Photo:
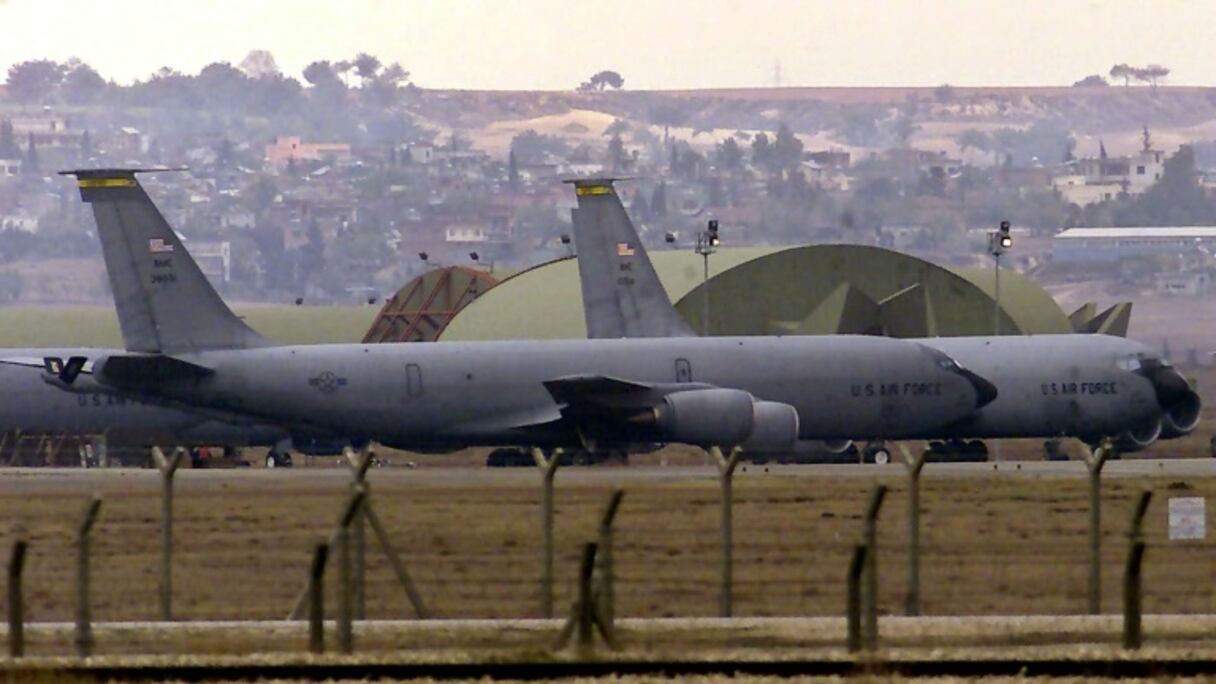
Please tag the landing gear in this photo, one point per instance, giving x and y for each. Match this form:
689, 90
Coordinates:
876, 452
957, 451
278, 459
1053, 450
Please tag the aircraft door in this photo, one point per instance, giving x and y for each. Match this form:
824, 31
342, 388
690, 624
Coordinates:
413, 381
683, 370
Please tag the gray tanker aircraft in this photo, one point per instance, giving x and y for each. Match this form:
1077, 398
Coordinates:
34, 379
186, 349
1048, 386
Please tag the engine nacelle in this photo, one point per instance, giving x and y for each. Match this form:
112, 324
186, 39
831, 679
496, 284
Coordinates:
1182, 418
706, 417
774, 428
1141, 437
727, 418
837, 446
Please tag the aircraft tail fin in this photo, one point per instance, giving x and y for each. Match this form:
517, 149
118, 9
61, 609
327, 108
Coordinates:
622, 295
165, 304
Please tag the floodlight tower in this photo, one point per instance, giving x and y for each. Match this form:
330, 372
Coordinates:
707, 243
999, 242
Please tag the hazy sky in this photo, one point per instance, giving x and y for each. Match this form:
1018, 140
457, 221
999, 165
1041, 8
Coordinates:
552, 44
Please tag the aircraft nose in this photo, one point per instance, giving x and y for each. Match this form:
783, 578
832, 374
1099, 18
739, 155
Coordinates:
985, 391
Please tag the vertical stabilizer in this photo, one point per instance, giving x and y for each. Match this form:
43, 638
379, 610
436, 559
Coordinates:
165, 304
622, 295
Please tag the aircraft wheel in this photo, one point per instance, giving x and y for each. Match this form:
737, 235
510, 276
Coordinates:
978, 448
882, 456
272, 460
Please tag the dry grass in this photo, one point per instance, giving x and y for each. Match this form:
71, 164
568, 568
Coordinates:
992, 545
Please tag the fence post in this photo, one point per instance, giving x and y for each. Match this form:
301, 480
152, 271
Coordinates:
871, 567
1094, 462
16, 603
359, 462
84, 622
346, 640
1133, 635
548, 468
604, 560
914, 465
853, 605
586, 610
726, 474
316, 599
167, 467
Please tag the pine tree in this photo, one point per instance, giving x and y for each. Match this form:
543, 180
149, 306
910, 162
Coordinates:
31, 156
8, 145
658, 201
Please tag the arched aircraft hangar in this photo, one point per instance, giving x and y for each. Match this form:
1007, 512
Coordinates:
423, 307
804, 290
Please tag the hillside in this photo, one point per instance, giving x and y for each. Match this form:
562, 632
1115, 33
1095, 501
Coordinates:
839, 116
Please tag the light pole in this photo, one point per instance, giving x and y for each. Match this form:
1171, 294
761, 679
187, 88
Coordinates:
999, 242
707, 243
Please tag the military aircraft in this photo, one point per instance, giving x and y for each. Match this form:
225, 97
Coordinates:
1048, 386
185, 348
34, 380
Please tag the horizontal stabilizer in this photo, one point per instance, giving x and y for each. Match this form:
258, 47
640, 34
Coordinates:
142, 372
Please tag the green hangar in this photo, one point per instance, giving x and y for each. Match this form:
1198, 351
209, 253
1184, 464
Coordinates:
804, 290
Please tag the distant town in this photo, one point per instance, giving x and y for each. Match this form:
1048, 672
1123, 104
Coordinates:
339, 185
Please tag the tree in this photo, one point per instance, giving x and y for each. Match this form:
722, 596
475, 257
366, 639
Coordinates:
34, 80
366, 66
973, 139
1146, 140
787, 150
601, 80
1122, 71
31, 157
761, 150
616, 153
658, 201
944, 93
82, 84
730, 155
512, 170
1090, 81
222, 86
8, 142
1153, 73
617, 127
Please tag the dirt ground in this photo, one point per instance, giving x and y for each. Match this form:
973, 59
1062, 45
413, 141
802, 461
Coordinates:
1003, 543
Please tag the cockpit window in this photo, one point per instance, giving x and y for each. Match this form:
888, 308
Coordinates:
1128, 364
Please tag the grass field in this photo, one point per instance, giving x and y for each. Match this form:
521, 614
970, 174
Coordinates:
999, 544
97, 326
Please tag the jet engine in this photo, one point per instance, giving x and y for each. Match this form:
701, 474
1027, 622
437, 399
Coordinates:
1182, 418
726, 417
774, 428
1140, 438
837, 446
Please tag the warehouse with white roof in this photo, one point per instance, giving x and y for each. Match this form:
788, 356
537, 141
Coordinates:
1111, 245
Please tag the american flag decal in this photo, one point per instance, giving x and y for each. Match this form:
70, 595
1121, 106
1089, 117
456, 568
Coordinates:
159, 246
623, 249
